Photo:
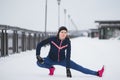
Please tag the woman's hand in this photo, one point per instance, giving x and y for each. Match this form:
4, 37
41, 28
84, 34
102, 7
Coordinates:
40, 60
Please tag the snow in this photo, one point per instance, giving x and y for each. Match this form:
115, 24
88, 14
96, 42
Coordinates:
90, 53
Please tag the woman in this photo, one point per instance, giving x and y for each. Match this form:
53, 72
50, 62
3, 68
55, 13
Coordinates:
59, 54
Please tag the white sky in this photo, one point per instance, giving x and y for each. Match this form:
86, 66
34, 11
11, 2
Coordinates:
30, 13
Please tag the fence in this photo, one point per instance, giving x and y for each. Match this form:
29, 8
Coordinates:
15, 39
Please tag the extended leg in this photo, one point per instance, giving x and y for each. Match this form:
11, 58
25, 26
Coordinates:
82, 69
77, 67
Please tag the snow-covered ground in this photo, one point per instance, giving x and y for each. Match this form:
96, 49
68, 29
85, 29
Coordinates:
90, 53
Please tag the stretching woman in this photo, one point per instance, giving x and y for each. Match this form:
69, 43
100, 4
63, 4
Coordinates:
59, 54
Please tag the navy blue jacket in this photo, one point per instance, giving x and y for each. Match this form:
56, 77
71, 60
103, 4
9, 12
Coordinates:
59, 50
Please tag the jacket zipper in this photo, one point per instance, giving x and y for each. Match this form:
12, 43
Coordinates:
59, 51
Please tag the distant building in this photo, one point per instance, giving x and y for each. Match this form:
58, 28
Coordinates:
108, 29
93, 33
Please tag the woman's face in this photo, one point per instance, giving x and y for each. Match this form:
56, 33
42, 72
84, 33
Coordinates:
62, 34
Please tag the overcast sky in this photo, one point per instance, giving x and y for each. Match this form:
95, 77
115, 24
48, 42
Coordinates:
30, 14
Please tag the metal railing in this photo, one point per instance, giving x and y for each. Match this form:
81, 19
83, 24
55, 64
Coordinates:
15, 39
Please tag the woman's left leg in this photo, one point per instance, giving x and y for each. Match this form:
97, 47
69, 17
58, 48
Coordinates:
77, 67
84, 70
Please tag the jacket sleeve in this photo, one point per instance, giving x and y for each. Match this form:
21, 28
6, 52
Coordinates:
68, 54
41, 44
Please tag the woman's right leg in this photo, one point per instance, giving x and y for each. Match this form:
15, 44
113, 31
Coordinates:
47, 64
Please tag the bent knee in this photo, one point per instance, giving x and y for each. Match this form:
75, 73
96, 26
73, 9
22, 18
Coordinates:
40, 65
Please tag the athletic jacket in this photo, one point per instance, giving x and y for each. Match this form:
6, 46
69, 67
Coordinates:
59, 49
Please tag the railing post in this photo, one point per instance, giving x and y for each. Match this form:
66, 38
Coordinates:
29, 41
38, 38
34, 41
5, 43
2, 43
15, 41
23, 41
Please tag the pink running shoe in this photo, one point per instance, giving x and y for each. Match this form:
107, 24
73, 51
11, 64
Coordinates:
52, 69
100, 72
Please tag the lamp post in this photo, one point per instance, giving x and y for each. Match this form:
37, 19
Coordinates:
58, 13
69, 21
74, 25
65, 16
45, 17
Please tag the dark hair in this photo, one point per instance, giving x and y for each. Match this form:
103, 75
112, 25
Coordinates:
61, 28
